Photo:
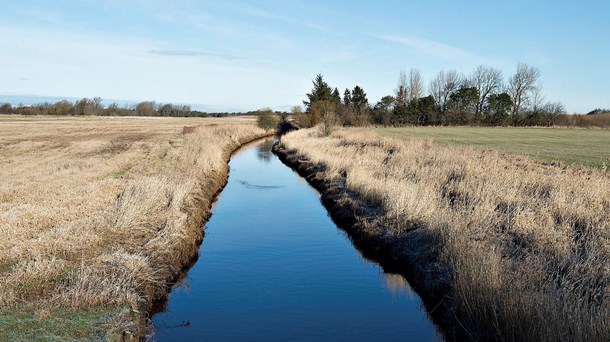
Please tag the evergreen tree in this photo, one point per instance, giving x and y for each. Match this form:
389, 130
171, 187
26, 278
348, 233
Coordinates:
383, 111
497, 109
462, 106
347, 97
336, 96
359, 101
320, 92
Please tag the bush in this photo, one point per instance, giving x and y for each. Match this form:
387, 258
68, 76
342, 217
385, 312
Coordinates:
267, 119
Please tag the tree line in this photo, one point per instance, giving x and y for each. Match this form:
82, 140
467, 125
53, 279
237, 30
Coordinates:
94, 106
482, 98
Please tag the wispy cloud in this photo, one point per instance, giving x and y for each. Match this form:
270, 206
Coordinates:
436, 49
270, 15
193, 53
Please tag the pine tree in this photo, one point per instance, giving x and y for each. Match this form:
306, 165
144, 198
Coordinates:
320, 92
347, 97
336, 96
359, 100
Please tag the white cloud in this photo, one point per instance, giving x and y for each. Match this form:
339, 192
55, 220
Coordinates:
285, 18
438, 50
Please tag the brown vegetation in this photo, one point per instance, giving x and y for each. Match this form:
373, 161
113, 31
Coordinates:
106, 212
601, 120
508, 248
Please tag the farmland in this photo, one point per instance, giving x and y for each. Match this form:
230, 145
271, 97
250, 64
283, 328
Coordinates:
583, 147
98, 215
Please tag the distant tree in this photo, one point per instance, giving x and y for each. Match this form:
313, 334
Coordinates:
435, 88
83, 107
425, 111
533, 113
520, 87
146, 108
6, 108
488, 81
267, 119
359, 101
336, 97
400, 93
305, 120
443, 86
63, 107
326, 110
537, 98
462, 105
96, 106
386, 103
497, 109
598, 111
166, 109
415, 86
113, 109
552, 110
185, 109
320, 92
382, 111
295, 110
347, 97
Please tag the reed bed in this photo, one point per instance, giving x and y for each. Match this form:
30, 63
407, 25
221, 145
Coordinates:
105, 212
517, 249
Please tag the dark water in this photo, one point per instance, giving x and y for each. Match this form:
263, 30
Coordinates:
274, 267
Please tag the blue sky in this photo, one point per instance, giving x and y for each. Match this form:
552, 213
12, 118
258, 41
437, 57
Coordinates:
241, 55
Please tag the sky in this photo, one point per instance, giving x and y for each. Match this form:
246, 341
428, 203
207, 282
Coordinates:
246, 55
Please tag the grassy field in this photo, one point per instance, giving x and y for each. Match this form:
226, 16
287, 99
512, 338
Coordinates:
97, 215
586, 147
519, 248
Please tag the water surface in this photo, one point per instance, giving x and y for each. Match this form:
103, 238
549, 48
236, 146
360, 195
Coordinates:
274, 267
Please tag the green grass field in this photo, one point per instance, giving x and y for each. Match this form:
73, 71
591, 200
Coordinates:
583, 147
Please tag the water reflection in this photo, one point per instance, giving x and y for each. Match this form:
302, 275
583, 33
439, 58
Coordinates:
249, 185
264, 150
398, 285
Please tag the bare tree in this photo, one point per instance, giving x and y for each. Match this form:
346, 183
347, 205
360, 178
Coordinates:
537, 98
552, 110
521, 85
415, 87
96, 105
443, 85
400, 91
435, 88
488, 81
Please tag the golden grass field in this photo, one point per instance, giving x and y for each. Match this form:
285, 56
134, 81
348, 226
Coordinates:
99, 214
523, 246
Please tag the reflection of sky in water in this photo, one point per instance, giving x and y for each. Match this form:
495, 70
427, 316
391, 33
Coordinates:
274, 267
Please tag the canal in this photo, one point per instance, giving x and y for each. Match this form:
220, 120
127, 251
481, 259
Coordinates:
274, 267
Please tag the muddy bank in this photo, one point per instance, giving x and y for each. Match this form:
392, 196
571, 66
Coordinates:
413, 255
199, 211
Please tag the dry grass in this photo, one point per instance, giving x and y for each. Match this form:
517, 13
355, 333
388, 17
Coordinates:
105, 211
594, 120
520, 249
